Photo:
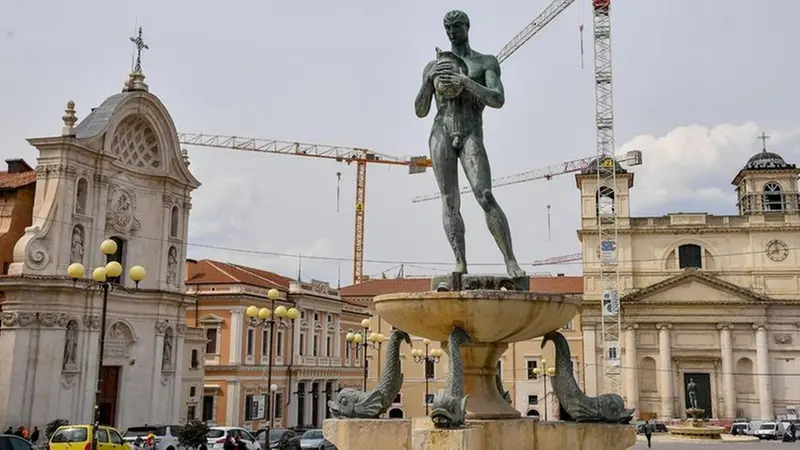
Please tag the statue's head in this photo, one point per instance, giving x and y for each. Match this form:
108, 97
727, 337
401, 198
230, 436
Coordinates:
456, 25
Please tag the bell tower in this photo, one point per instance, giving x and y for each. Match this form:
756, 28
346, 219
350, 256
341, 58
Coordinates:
767, 184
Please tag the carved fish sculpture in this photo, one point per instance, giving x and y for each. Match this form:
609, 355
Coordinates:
606, 408
355, 404
450, 408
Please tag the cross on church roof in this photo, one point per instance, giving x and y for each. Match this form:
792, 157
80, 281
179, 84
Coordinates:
763, 138
140, 45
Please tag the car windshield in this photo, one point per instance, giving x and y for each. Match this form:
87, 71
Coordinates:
215, 433
71, 434
274, 435
313, 434
144, 431
768, 426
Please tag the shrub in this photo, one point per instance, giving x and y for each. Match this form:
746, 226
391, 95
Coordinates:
193, 434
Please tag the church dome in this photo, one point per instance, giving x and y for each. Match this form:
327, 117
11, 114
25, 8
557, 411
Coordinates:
765, 160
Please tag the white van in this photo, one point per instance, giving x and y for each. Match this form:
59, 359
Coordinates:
770, 430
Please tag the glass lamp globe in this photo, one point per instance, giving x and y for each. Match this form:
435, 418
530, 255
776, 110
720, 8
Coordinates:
280, 311
365, 323
252, 311
264, 313
292, 313
273, 294
113, 269
349, 337
99, 274
108, 247
76, 271
137, 273
551, 371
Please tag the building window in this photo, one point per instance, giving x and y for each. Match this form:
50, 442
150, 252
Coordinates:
278, 411
430, 371
251, 337
118, 256
303, 314
531, 366
428, 399
254, 406
195, 360
347, 351
398, 399
279, 344
265, 343
192, 391
773, 197
316, 317
302, 347
316, 345
330, 318
569, 325
328, 346
211, 345
690, 255
190, 412
81, 194
533, 399
174, 222
605, 202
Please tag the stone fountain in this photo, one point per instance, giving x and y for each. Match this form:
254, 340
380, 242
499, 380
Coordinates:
475, 317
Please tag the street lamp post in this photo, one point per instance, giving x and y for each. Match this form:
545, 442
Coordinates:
545, 372
270, 318
100, 281
361, 340
432, 357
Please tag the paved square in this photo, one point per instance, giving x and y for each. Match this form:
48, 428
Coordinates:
663, 444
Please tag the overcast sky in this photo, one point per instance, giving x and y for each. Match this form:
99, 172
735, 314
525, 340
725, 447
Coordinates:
694, 83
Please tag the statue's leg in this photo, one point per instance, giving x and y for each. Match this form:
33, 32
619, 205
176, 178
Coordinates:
479, 175
445, 168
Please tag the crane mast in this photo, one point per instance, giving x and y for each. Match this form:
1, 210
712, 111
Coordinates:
606, 167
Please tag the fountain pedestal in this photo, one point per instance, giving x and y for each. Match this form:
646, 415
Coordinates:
694, 428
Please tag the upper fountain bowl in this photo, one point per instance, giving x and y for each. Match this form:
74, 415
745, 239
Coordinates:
489, 316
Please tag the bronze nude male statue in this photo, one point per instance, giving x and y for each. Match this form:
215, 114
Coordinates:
464, 82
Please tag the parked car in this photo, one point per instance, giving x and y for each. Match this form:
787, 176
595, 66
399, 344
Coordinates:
79, 437
769, 430
12, 442
741, 428
216, 437
166, 435
278, 439
314, 440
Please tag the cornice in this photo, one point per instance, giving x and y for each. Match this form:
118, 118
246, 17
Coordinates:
694, 230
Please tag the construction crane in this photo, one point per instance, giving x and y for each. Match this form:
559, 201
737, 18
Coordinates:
631, 158
348, 155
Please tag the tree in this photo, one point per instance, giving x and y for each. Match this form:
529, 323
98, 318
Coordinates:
53, 425
193, 434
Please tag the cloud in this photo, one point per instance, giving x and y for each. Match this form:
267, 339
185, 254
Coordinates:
691, 167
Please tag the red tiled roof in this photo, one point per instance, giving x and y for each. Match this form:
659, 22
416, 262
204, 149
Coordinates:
207, 271
16, 180
371, 288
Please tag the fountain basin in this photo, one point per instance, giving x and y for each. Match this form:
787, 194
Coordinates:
692, 431
493, 319
488, 316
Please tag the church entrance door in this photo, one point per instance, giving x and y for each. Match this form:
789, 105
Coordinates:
702, 391
109, 392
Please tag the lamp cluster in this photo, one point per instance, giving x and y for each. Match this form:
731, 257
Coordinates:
365, 337
113, 269
268, 315
423, 355
548, 370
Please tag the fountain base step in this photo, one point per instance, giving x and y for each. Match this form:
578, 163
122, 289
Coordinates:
524, 433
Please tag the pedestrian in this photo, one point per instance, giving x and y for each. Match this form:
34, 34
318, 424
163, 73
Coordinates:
240, 444
9, 431
35, 435
19, 431
793, 431
229, 444
25, 433
648, 432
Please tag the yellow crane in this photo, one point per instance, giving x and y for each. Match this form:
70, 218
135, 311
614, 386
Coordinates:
348, 155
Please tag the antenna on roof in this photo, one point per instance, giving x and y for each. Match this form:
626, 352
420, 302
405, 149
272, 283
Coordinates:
300, 268
339, 275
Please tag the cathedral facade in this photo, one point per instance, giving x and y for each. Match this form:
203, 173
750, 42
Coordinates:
709, 304
119, 174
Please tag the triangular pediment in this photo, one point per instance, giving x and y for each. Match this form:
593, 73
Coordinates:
211, 319
695, 286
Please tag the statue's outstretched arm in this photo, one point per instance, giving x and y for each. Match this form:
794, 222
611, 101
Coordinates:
422, 105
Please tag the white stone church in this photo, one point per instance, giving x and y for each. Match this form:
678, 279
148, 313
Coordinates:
713, 300
118, 174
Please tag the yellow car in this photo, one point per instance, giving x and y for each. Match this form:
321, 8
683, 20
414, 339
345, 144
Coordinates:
79, 437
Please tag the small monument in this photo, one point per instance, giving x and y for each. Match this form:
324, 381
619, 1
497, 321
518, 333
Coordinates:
695, 427
476, 317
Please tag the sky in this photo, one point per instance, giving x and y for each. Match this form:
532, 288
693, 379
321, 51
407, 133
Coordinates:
694, 84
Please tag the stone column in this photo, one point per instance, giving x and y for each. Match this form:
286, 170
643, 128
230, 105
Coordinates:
590, 356
763, 373
728, 386
665, 369
235, 356
631, 366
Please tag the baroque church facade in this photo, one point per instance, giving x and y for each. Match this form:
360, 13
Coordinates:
705, 299
119, 174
